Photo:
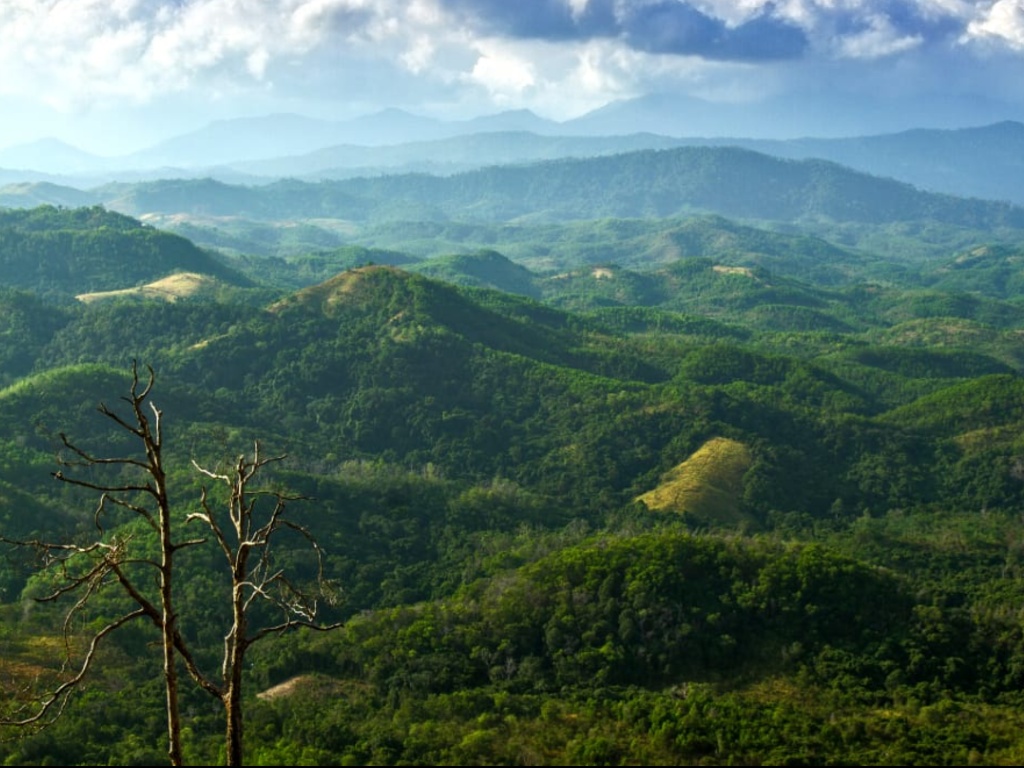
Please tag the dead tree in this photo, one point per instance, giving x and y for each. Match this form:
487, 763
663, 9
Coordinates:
111, 559
244, 529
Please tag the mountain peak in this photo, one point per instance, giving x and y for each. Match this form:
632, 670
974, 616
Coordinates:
358, 287
49, 155
391, 112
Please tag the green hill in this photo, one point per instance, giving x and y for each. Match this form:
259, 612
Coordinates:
707, 486
26, 325
728, 496
61, 253
483, 269
728, 181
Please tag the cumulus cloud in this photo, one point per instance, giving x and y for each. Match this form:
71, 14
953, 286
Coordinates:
80, 49
877, 38
1003, 22
730, 30
652, 26
679, 28
540, 19
503, 73
557, 56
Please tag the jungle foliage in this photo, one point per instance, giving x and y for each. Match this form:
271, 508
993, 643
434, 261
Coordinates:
832, 573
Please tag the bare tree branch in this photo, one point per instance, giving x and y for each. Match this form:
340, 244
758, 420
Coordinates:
254, 527
243, 529
59, 696
144, 423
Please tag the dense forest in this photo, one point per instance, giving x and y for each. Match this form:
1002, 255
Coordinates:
663, 484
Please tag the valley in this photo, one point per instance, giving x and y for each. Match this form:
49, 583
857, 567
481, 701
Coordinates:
675, 455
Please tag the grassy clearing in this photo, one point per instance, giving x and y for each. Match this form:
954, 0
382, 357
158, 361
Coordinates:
170, 288
707, 486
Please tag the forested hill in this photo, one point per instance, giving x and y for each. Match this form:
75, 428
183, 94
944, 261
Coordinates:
283, 199
657, 183
744, 506
63, 253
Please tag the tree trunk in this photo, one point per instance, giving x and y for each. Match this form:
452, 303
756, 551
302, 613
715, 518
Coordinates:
168, 629
233, 731
234, 664
171, 679
153, 442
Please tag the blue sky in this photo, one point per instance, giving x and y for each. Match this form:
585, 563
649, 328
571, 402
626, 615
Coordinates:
116, 75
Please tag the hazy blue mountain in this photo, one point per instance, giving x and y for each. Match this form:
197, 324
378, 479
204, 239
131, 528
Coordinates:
972, 161
50, 156
281, 137
667, 115
248, 138
99, 178
393, 126
729, 181
511, 120
828, 115
449, 155
31, 194
277, 136
483, 269
986, 161
12, 176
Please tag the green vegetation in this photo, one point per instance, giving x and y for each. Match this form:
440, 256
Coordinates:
654, 491
55, 253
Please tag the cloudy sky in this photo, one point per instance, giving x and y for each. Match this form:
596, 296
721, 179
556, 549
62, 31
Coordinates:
116, 75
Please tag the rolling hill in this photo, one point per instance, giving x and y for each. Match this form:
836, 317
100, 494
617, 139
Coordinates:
69, 252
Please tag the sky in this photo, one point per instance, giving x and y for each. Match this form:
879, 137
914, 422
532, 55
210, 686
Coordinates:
113, 76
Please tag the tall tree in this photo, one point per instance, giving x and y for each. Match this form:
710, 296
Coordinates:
111, 559
244, 530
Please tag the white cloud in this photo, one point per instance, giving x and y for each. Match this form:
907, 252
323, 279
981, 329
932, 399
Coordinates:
603, 70
878, 39
737, 11
502, 73
577, 7
1004, 22
592, 75
419, 57
77, 50
328, 55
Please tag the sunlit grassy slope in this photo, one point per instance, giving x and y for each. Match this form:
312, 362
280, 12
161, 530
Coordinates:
707, 486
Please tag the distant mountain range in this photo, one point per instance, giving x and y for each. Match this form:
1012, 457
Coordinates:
984, 161
225, 142
729, 181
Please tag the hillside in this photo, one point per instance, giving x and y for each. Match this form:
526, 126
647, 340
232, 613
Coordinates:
181, 285
705, 492
707, 486
484, 269
982, 162
725, 180
979, 162
446, 156
543, 214
58, 252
